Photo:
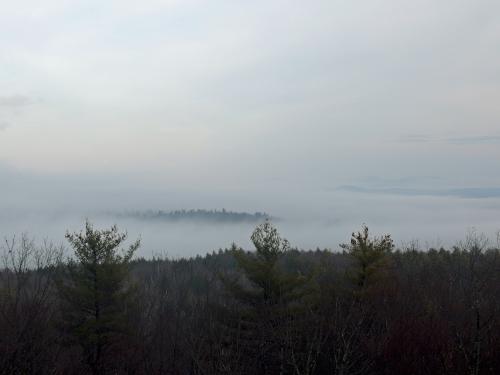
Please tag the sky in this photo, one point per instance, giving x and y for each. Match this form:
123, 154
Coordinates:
300, 108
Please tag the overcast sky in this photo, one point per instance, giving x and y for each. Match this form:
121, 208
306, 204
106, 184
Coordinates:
242, 96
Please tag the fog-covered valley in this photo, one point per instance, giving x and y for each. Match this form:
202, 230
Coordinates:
309, 219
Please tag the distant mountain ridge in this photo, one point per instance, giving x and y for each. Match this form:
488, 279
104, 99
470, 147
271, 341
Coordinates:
198, 215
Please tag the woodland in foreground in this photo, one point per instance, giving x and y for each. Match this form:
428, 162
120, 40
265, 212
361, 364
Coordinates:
367, 309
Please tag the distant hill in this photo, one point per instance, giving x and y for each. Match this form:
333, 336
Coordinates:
213, 216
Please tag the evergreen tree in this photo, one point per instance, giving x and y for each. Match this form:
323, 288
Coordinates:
267, 296
95, 293
369, 255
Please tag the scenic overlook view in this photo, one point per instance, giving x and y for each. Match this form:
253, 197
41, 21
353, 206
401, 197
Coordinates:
250, 187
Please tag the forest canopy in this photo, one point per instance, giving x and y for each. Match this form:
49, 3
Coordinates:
370, 308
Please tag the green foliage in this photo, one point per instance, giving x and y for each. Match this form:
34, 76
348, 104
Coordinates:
268, 297
269, 283
95, 293
369, 255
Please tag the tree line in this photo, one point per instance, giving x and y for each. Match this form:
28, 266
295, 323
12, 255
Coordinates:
199, 215
367, 309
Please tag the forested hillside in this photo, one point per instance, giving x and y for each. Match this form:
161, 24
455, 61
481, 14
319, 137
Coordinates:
366, 308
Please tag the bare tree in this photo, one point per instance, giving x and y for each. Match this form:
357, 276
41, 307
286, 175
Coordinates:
27, 300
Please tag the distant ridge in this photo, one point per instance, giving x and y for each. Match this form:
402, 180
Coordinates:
472, 192
199, 215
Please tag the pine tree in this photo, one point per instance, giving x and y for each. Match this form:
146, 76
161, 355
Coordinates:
95, 293
268, 296
370, 255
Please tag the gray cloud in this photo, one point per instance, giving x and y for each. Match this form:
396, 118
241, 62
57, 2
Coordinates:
456, 140
4, 125
15, 101
474, 139
415, 138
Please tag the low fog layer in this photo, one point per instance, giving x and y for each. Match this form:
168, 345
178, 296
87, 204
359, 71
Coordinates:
309, 218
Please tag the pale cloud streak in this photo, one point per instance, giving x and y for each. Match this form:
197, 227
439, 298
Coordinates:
14, 101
